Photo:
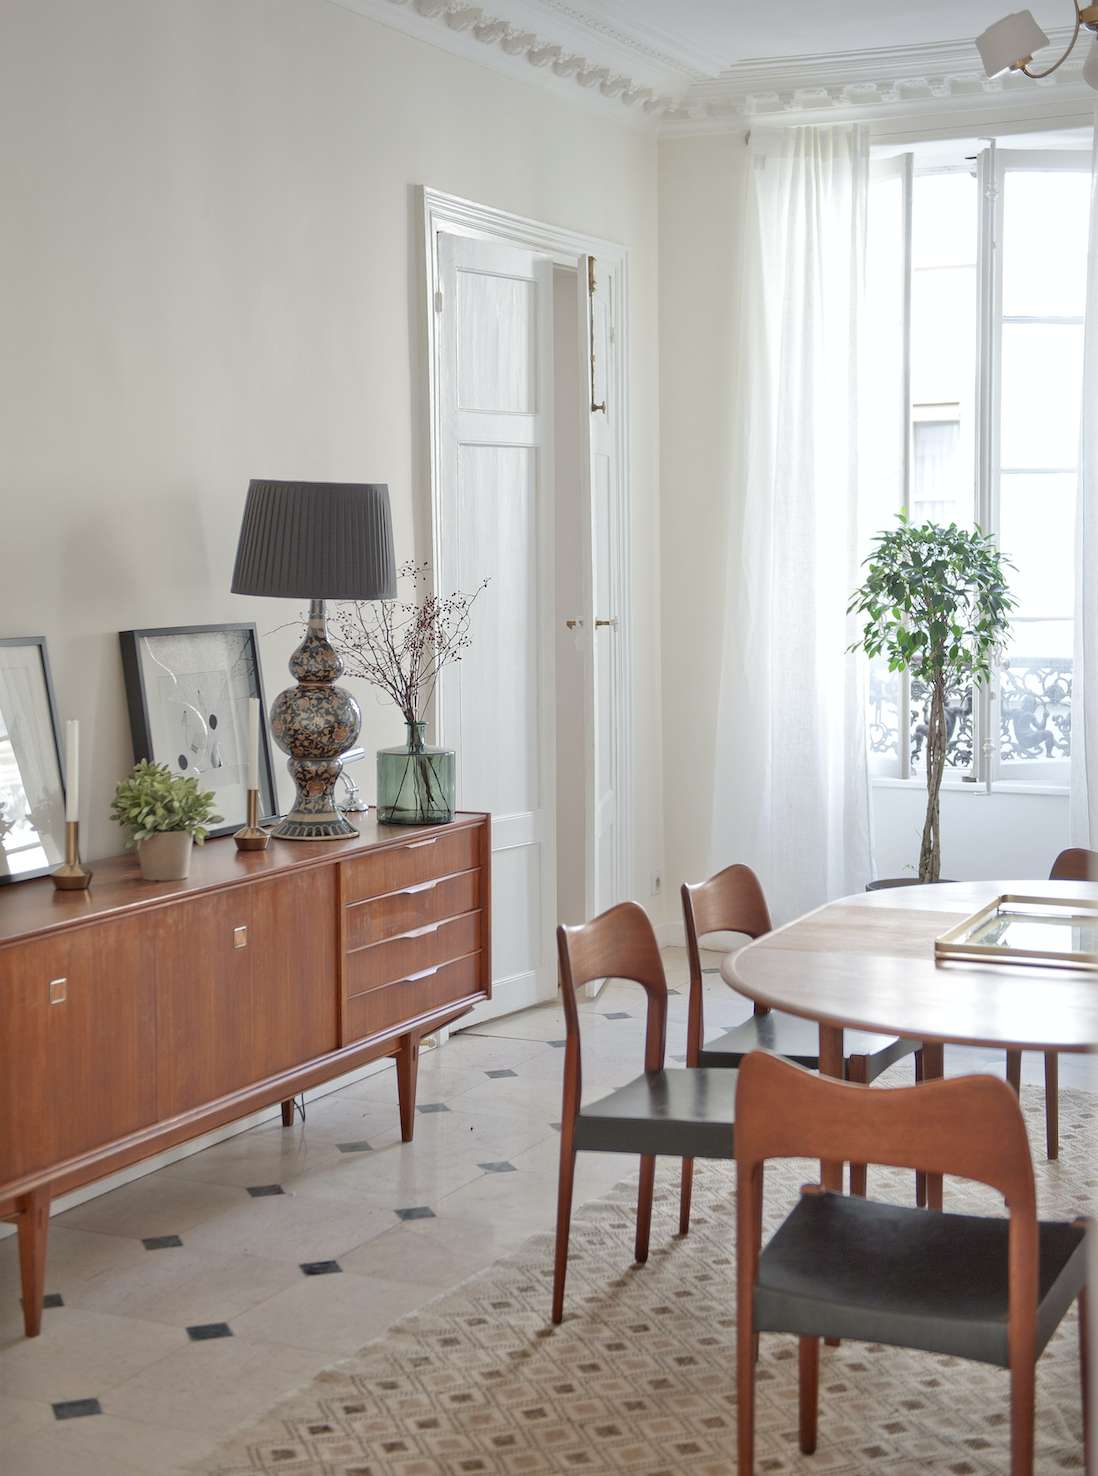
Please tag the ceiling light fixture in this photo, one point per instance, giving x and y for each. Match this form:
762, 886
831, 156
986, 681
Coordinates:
1009, 44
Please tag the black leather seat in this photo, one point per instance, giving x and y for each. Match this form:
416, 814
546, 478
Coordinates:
663, 1112
880, 1273
798, 1040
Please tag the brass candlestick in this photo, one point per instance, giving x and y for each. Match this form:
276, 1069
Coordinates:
252, 836
73, 876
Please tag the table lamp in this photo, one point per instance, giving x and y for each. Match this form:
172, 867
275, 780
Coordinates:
316, 541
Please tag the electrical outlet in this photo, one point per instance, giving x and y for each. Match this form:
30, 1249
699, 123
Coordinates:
657, 884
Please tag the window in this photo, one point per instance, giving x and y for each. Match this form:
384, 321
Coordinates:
974, 367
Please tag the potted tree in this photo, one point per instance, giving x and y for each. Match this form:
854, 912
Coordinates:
164, 815
936, 604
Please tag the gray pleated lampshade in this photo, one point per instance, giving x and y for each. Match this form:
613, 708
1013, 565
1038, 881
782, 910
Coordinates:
316, 541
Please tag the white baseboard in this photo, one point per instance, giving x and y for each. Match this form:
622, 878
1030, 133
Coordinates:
195, 1145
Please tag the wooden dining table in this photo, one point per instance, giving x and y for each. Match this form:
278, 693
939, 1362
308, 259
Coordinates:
867, 962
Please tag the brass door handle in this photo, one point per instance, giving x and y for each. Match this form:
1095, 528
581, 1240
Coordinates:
612, 622
573, 624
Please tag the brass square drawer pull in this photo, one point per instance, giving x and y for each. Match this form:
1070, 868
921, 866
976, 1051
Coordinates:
240, 937
59, 989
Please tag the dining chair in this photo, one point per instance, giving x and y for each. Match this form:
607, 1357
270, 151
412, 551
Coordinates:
676, 1111
1074, 864
991, 1289
733, 902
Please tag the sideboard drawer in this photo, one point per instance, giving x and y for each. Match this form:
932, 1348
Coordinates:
407, 865
414, 907
398, 958
430, 989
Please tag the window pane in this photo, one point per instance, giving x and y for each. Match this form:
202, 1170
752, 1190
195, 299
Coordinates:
959, 740
1045, 228
941, 492
1035, 708
1037, 522
1042, 395
944, 220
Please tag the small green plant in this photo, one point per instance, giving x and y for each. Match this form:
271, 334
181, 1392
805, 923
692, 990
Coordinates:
936, 604
153, 799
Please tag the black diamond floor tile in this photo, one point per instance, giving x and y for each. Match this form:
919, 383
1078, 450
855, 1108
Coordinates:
505, 1071
161, 1242
53, 1299
205, 1332
416, 1212
360, 1147
265, 1191
557, 1044
618, 1015
432, 1107
321, 1268
498, 1168
76, 1409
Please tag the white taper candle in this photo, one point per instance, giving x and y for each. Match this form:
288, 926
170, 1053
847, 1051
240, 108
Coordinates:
253, 742
72, 770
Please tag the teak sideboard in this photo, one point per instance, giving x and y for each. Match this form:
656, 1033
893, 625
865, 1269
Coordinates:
138, 1014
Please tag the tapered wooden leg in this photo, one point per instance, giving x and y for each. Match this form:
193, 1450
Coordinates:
685, 1193
564, 1220
1014, 1070
1022, 1380
1052, 1104
809, 1392
933, 1070
920, 1177
288, 1112
407, 1064
644, 1206
33, 1225
857, 1069
1090, 1457
832, 1063
746, 1339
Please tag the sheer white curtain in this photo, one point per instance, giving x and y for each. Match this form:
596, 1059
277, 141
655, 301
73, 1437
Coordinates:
791, 793
1084, 697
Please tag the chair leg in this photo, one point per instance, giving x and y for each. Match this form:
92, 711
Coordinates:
808, 1394
564, 1223
933, 1070
644, 1206
1052, 1104
1014, 1070
747, 1342
1022, 1398
685, 1194
920, 1177
1084, 1376
857, 1069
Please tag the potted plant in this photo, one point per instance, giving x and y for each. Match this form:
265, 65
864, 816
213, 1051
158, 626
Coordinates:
936, 604
164, 815
401, 647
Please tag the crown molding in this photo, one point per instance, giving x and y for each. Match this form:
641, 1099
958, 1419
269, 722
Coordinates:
641, 76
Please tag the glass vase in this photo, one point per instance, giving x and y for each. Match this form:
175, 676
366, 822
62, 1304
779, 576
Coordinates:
415, 783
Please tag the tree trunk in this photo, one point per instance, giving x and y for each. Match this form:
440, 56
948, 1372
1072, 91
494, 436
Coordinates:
930, 852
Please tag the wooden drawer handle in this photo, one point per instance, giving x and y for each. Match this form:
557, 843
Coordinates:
418, 845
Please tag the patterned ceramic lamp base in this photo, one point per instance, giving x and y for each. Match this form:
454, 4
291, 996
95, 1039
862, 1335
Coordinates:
314, 723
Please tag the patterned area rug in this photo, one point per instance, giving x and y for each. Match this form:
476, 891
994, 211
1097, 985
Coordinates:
640, 1378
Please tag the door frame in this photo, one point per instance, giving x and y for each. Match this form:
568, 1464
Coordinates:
450, 214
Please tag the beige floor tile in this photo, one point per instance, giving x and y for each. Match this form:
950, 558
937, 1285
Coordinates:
72, 1255
155, 1205
289, 1227
83, 1355
336, 1315
406, 1253
212, 1387
43, 1455
137, 1445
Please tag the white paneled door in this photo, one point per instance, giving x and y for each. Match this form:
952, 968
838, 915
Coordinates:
493, 520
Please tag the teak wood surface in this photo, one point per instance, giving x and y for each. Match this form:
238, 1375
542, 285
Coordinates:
137, 1014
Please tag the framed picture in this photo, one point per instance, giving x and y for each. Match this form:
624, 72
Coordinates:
188, 689
32, 778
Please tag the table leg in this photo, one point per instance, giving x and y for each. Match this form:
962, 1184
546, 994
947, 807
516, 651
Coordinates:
933, 1070
832, 1063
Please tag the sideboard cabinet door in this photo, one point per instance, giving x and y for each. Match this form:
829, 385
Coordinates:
295, 983
77, 1048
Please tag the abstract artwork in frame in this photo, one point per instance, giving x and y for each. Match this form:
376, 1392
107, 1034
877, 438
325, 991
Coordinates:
188, 689
32, 780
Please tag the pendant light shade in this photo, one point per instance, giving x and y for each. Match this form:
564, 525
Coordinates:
1010, 43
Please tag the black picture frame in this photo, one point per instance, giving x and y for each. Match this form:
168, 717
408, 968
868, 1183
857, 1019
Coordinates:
49, 744
147, 711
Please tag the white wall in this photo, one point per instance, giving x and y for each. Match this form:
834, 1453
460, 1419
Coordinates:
211, 271
1010, 835
701, 193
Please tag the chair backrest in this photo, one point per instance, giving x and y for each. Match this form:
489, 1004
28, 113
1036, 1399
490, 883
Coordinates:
618, 944
730, 902
969, 1126
1075, 864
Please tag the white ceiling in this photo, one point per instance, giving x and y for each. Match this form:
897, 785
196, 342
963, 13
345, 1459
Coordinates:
710, 35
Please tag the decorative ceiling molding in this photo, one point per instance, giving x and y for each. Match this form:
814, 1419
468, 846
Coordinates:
646, 78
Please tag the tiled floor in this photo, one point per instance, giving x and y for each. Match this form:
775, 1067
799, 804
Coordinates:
194, 1299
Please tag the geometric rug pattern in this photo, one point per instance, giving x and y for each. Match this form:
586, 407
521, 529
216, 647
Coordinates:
640, 1378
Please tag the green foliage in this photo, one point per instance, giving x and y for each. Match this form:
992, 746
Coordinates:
153, 799
935, 602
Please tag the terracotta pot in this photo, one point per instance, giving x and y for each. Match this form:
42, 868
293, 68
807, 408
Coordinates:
167, 856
